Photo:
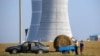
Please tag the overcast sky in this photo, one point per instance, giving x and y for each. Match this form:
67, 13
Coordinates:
84, 18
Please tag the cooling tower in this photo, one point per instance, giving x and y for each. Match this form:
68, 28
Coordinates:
49, 19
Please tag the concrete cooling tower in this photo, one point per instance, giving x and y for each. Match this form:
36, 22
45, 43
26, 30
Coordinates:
49, 19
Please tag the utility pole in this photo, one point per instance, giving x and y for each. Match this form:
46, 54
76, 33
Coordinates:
20, 21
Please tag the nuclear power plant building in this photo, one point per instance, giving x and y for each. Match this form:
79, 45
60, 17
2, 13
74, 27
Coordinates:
49, 19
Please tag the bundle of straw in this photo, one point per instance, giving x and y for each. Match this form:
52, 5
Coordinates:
62, 40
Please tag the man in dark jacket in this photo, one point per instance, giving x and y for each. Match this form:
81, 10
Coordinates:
81, 46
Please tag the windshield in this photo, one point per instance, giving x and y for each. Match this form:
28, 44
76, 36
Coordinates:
39, 44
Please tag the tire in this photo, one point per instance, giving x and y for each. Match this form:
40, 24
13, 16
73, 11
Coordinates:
40, 51
14, 51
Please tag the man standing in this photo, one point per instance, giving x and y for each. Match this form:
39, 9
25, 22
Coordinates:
29, 46
81, 46
76, 47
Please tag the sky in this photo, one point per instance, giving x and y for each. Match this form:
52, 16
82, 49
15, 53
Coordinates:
84, 18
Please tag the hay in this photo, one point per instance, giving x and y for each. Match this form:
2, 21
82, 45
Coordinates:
62, 40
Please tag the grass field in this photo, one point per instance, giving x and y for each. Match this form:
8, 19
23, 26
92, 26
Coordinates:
92, 48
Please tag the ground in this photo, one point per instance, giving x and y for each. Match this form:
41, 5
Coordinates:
92, 48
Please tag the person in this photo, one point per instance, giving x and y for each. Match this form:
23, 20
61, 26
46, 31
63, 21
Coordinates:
29, 46
81, 46
76, 47
73, 41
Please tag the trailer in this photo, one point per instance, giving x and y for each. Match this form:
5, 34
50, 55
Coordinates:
66, 48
